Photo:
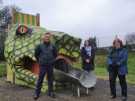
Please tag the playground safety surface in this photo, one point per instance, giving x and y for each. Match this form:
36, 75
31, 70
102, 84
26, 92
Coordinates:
10, 92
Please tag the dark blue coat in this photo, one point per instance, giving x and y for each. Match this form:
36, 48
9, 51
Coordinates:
45, 53
118, 57
84, 55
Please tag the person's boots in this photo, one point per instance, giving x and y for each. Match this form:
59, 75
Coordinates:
36, 97
124, 98
51, 94
113, 96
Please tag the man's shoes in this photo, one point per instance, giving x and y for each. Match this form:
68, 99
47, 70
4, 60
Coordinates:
124, 98
113, 96
51, 94
36, 97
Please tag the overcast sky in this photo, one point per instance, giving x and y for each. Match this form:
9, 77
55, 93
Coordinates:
84, 18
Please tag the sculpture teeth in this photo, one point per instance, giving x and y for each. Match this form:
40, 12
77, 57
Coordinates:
33, 58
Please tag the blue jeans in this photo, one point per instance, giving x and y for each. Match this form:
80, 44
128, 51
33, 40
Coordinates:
48, 68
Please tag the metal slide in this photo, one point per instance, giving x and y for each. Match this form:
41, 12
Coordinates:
77, 77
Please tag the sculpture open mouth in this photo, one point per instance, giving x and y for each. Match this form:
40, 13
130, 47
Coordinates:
26, 62
27, 68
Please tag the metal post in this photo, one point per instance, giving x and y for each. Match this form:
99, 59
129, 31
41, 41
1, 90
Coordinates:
38, 19
13, 77
78, 91
87, 91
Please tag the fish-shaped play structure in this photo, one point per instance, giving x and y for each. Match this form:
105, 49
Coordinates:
22, 67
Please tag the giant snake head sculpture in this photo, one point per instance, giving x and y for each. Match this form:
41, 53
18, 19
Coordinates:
19, 51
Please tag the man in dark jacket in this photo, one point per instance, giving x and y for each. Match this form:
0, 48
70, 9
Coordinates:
45, 54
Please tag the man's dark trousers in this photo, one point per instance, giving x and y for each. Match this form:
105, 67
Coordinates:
48, 68
122, 79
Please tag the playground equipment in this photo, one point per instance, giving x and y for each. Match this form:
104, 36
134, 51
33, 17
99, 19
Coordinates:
22, 67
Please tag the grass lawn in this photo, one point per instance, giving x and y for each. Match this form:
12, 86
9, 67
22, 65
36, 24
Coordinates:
102, 72
100, 67
2, 69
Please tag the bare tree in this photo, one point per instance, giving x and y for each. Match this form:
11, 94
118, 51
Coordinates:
93, 41
130, 40
5, 20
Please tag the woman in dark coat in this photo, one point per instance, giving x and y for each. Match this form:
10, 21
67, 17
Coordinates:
117, 66
88, 54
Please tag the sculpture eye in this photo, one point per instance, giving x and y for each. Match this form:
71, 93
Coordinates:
23, 30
